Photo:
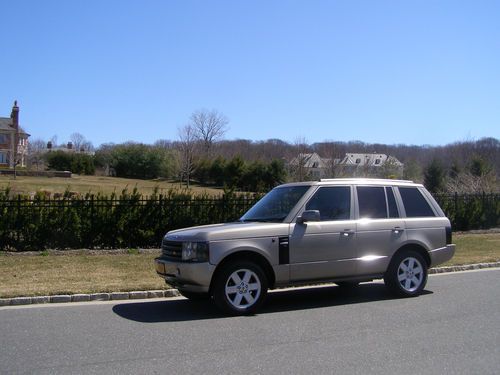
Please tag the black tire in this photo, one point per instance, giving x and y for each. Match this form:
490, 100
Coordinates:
407, 274
241, 298
193, 296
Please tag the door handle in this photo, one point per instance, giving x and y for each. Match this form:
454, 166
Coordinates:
397, 230
347, 232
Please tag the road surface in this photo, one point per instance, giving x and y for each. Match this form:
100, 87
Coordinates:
453, 328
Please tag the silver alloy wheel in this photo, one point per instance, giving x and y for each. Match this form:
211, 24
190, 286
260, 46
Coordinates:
410, 274
242, 288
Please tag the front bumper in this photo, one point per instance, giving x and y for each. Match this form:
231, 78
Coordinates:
442, 255
191, 277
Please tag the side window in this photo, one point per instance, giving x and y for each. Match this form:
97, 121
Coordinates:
372, 203
393, 208
333, 203
415, 203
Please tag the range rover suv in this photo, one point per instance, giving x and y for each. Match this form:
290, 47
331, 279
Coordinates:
344, 231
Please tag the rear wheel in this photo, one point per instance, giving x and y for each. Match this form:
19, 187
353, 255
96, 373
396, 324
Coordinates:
240, 287
407, 274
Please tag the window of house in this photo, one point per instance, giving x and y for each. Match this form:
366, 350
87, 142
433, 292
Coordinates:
372, 202
358, 161
377, 161
3, 158
3, 138
333, 203
414, 202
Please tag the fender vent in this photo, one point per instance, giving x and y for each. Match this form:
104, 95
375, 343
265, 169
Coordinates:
284, 250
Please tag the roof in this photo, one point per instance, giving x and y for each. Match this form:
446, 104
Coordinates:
6, 123
310, 161
375, 160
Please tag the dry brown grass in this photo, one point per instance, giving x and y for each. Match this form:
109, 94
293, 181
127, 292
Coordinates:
36, 275
476, 248
82, 272
94, 184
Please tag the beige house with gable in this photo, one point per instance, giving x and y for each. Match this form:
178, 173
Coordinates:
352, 165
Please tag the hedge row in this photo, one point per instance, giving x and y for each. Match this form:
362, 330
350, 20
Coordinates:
471, 211
125, 221
129, 220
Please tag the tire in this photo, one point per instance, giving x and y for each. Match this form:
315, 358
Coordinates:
193, 296
240, 288
407, 274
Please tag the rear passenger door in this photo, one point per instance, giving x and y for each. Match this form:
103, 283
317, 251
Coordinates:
380, 230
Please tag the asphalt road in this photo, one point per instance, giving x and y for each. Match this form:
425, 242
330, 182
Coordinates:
454, 328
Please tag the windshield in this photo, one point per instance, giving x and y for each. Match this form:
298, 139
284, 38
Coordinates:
275, 205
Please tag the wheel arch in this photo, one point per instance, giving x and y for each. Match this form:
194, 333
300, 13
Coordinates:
417, 248
247, 255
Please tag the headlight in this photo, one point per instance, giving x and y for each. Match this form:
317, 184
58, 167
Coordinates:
195, 251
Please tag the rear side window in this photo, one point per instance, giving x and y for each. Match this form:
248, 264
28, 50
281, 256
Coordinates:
372, 203
333, 203
415, 203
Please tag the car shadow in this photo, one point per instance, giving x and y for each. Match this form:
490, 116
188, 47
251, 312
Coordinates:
178, 310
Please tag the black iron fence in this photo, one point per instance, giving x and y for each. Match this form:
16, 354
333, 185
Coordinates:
132, 221
93, 222
471, 211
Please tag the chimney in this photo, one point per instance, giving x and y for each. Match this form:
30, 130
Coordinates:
14, 115
70, 146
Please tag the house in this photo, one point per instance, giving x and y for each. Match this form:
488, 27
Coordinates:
68, 148
13, 141
352, 165
369, 163
310, 165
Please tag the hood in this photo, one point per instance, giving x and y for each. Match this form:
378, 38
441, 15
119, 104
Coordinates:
228, 231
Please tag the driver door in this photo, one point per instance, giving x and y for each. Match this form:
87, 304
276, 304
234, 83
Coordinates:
325, 249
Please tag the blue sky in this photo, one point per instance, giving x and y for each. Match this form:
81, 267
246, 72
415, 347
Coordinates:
414, 72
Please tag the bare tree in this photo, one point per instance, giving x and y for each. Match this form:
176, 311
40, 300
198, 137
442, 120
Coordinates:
79, 142
187, 150
298, 170
208, 126
53, 140
36, 150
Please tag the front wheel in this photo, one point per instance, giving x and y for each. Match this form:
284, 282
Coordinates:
240, 288
407, 274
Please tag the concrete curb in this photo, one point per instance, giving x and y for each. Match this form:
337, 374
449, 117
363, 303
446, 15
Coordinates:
169, 293
466, 267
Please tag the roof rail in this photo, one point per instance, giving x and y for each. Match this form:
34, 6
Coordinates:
365, 179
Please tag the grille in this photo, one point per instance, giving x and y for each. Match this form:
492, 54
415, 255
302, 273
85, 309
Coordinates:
171, 249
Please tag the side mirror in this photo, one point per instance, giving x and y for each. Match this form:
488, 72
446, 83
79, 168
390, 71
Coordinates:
309, 215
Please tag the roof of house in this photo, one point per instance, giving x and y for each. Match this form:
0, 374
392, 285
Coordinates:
310, 161
375, 160
5, 123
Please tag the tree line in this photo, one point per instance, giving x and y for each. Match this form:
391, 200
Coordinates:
201, 153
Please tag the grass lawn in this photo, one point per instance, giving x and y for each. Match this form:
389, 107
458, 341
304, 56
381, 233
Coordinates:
38, 275
31, 275
93, 184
